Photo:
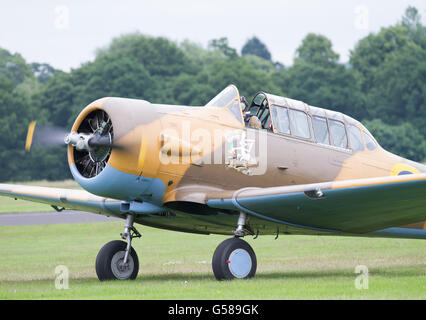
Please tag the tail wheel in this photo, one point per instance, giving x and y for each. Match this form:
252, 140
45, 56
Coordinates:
109, 262
234, 258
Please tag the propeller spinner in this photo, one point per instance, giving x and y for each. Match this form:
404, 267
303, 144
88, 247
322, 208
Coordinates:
93, 141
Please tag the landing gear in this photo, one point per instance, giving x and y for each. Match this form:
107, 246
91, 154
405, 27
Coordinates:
235, 258
117, 259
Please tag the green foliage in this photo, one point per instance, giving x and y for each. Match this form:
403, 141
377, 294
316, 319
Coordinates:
261, 64
391, 67
111, 75
404, 139
56, 98
222, 46
13, 67
400, 88
256, 47
319, 80
371, 53
385, 81
316, 49
16, 112
411, 19
199, 57
43, 71
159, 56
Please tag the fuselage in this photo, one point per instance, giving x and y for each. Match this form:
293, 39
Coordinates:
177, 155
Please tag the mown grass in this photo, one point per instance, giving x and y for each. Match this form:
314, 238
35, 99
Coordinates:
178, 266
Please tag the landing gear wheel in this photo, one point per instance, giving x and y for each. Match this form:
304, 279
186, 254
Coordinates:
109, 262
234, 258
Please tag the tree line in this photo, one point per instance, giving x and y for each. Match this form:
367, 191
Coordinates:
383, 86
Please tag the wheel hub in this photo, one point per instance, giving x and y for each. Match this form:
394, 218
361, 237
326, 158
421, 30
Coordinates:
119, 269
239, 263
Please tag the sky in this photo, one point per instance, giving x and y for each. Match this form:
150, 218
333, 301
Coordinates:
66, 33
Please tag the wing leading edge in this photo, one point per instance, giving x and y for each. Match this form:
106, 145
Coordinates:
370, 207
66, 198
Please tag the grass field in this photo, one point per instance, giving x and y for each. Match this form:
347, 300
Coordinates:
177, 266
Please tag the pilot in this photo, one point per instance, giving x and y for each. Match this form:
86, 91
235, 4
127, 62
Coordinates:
254, 122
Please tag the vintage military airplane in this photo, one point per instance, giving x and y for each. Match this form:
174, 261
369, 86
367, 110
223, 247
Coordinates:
278, 166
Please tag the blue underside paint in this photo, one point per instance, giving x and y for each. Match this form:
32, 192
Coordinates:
399, 233
112, 183
140, 207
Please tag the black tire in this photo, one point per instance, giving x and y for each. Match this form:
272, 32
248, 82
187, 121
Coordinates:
108, 258
234, 258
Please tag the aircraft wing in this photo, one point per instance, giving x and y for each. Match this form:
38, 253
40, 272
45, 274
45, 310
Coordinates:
63, 198
374, 206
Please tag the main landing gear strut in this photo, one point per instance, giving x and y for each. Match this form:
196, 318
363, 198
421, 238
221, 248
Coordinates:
117, 259
235, 258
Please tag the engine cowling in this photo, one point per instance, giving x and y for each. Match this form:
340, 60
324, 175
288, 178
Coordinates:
105, 153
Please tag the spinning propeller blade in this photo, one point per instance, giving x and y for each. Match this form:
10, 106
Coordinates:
48, 136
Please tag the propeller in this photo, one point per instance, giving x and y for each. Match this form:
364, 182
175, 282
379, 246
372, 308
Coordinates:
93, 142
47, 136
54, 136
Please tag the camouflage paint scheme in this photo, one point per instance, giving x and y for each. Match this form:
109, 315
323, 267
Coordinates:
306, 187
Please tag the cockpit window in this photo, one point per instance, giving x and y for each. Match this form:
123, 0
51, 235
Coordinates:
253, 110
321, 130
260, 109
369, 142
299, 121
236, 110
258, 102
224, 97
338, 134
230, 98
355, 138
281, 119
259, 99
263, 114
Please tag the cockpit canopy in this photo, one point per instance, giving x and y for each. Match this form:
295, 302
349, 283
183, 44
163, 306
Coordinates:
298, 120
228, 98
